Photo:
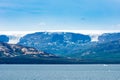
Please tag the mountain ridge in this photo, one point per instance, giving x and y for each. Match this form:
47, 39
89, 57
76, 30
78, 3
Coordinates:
68, 47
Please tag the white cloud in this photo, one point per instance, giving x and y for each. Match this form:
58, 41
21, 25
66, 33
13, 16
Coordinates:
118, 25
42, 24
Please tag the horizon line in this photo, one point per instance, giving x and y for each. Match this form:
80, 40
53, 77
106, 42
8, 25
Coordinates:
74, 31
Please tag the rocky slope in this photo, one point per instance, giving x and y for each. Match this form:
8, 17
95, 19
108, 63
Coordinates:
75, 48
107, 37
13, 50
17, 54
58, 43
106, 49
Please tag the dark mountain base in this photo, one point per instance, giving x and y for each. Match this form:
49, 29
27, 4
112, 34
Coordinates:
20, 60
37, 61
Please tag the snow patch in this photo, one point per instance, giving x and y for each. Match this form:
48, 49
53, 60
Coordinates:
13, 39
16, 35
94, 37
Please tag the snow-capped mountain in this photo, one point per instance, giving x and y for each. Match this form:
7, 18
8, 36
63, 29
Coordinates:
14, 36
55, 42
63, 43
93, 46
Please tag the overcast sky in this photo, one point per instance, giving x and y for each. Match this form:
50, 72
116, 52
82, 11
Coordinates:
27, 15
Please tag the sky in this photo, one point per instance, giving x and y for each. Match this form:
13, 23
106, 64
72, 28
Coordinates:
34, 15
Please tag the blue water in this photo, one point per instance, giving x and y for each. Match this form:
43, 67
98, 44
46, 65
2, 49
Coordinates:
60, 72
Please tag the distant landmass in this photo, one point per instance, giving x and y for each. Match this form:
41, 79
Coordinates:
17, 54
61, 48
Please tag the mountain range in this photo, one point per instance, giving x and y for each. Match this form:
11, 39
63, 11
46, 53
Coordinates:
65, 47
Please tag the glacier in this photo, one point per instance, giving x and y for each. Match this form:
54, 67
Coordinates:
14, 36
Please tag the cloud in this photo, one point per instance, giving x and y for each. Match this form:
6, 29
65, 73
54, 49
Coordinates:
117, 26
38, 26
42, 24
6, 7
21, 7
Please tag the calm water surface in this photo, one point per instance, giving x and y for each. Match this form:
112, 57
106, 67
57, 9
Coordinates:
60, 72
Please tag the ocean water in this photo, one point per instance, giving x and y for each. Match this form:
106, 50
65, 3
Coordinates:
60, 72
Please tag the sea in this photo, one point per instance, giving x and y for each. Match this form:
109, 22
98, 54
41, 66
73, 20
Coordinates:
60, 72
